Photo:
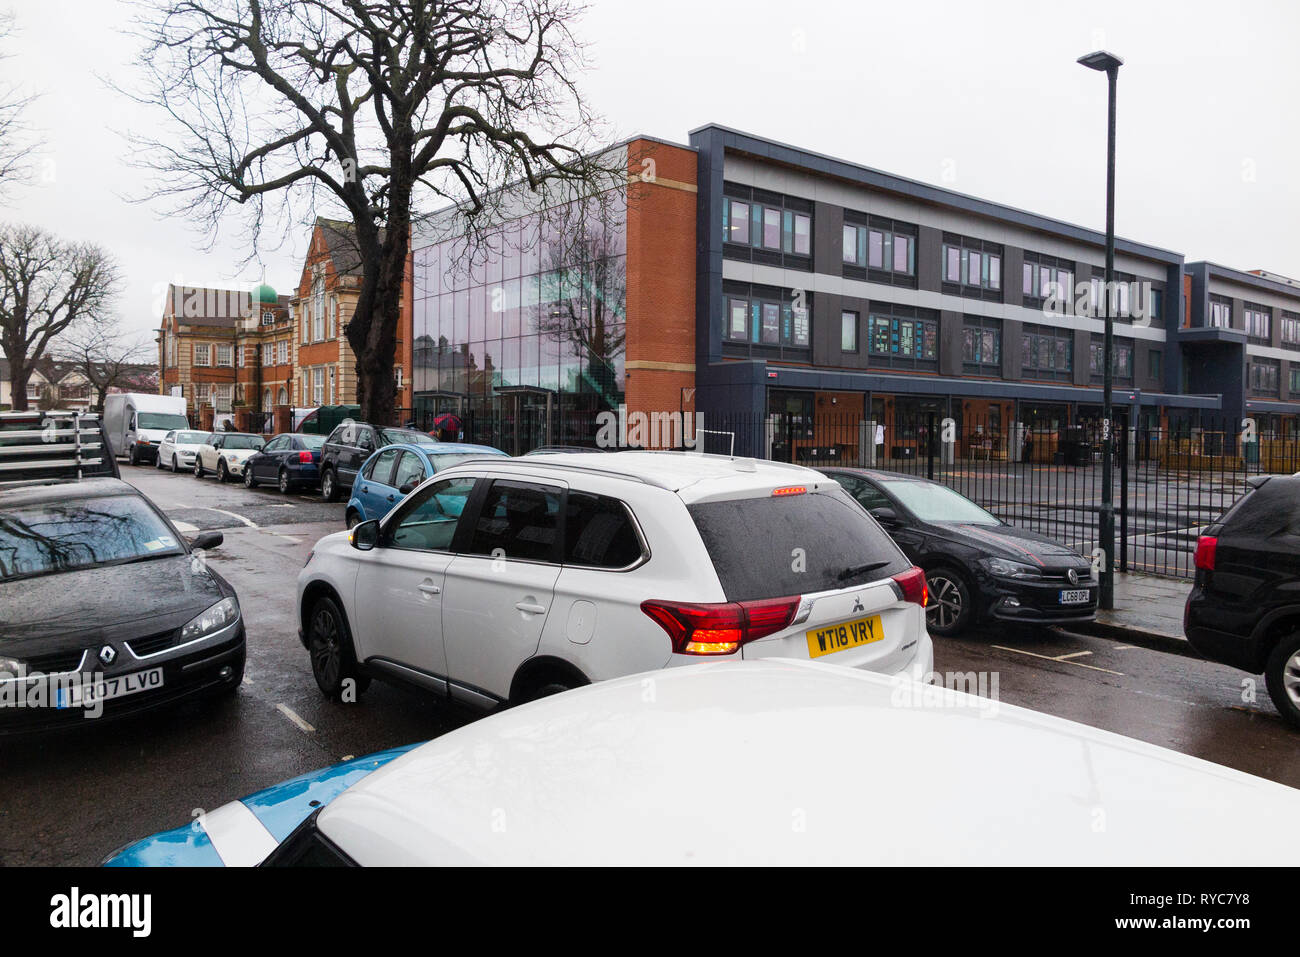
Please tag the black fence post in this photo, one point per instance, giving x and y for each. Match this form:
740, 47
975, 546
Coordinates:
929, 446
1123, 497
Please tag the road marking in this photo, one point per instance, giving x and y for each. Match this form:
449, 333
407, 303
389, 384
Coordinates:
185, 528
1073, 654
281, 505
289, 713
1077, 664
1124, 647
221, 511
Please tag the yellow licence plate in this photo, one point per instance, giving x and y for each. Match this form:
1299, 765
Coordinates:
849, 634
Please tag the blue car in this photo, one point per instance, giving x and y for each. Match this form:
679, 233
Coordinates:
231, 836
290, 460
395, 470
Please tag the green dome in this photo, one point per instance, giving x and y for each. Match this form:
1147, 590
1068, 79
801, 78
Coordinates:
264, 295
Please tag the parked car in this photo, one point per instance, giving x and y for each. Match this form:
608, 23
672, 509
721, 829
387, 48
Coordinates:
104, 604
178, 449
1244, 606
290, 460
979, 568
225, 454
348, 447
395, 470
137, 421
754, 763
583, 567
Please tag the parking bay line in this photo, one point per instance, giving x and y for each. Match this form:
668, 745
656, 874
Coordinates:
1064, 661
292, 715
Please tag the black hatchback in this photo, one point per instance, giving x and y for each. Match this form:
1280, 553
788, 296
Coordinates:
978, 567
1244, 607
106, 609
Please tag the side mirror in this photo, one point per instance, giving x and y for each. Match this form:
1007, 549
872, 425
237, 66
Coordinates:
364, 536
408, 488
206, 540
885, 515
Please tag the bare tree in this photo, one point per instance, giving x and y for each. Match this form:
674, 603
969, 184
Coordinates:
45, 286
18, 142
284, 105
105, 355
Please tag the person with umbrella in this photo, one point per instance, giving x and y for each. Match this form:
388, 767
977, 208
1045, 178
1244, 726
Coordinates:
447, 428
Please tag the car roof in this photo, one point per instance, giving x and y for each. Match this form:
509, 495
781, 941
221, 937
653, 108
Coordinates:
36, 494
730, 763
878, 475
693, 476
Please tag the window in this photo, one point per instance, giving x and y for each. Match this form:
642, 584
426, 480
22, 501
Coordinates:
202, 390
880, 250
171, 349
1259, 322
1290, 328
1047, 353
598, 532
772, 226
981, 346
1046, 276
239, 355
268, 318
268, 354
225, 355
318, 310
380, 469
519, 518
972, 267
848, 331
770, 319
427, 520
202, 354
1121, 360
855, 245
318, 386
898, 336
1220, 312
410, 471
1295, 381
282, 352
1263, 376
1155, 361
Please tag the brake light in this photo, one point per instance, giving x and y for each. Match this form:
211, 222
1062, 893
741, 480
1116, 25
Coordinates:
913, 585
720, 628
304, 457
791, 490
1207, 547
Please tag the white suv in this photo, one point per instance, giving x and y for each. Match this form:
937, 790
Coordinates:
503, 580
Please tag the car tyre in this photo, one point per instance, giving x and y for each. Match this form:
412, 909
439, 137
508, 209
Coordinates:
134, 457
952, 606
545, 691
175, 465
329, 643
198, 467
249, 481
1282, 675
353, 518
329, 487
223, 473
283, 482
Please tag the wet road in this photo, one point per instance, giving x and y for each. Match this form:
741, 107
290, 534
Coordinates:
74, 797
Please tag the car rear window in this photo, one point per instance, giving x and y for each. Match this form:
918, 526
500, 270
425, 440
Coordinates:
1270, 510
775, 546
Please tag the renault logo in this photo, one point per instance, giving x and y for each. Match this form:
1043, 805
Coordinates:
1072, 576
107, 655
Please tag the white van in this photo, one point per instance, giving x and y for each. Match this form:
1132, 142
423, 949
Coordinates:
137, 422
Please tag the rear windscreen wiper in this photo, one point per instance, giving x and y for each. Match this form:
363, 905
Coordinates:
855, 570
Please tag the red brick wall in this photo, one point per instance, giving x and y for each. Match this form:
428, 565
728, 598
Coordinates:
661, 277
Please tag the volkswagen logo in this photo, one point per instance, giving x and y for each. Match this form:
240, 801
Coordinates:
107, 655
1072, 576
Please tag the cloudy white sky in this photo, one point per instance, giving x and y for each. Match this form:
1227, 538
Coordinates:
981, 97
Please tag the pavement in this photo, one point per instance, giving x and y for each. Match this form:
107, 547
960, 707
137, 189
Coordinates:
1148, 612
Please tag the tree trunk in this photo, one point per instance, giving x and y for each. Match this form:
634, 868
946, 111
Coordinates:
19, 374
375, 345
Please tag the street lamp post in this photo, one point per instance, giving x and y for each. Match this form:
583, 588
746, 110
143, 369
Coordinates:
1109, 64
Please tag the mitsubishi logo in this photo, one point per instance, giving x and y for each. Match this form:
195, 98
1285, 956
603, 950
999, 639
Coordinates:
857, 603
107, 655
1072, 576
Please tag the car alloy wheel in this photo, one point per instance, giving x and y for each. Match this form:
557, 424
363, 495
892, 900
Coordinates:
1282, 675
223, 474
353, 519
284, 482
249, 482
327, 489
1291, 678
175, 465
198, 467
326, 645
949, 607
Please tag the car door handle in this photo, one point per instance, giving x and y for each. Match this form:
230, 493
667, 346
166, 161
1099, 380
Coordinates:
429, 588
530, 607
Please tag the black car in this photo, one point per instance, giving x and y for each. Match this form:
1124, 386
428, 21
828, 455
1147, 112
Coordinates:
1244, 607
290, 460
107, 610
348, 447
978, 567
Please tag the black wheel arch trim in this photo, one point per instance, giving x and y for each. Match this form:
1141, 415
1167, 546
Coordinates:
528, 672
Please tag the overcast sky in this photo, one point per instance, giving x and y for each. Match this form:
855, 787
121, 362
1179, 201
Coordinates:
982, 97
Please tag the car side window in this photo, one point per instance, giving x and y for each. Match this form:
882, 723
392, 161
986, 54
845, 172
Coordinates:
429, 521
381, 466
598, 532
275, 445
337, 434
867, 495
519, 518
170, 437
409, 469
